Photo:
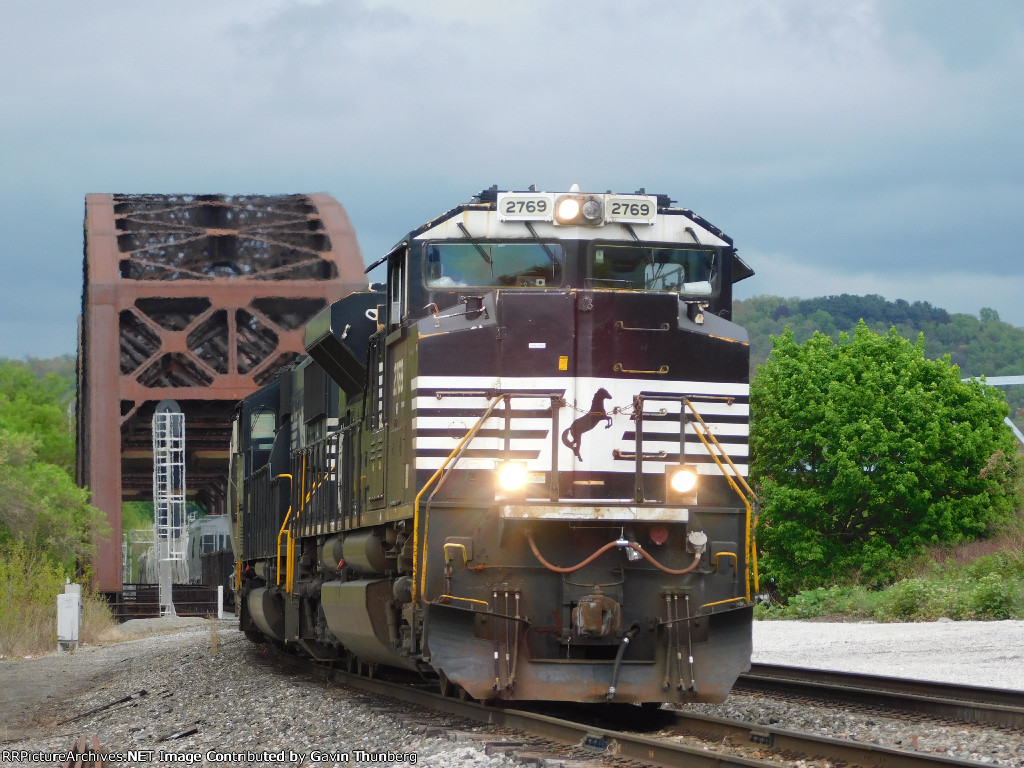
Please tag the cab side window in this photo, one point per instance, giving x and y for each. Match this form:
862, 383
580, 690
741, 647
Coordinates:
398, 290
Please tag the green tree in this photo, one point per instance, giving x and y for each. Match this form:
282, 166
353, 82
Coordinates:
865, 451
38, 406
982, 345
41, 508
40, 505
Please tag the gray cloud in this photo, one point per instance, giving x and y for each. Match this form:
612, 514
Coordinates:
844, 143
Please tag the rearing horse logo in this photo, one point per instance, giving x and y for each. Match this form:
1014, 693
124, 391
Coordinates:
571, 437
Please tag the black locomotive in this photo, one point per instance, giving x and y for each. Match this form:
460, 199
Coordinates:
519, 465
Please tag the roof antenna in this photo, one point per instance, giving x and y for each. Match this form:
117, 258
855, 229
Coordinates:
574, 188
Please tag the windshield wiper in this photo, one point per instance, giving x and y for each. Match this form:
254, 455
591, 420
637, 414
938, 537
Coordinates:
704, 249
542, 244
479, 248
647, 253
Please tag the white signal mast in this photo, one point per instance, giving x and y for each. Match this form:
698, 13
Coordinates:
1004, 381
169, 511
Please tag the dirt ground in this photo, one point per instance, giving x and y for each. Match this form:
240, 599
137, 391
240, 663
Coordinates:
32, 689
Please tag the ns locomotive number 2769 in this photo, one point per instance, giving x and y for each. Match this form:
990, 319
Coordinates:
519, 467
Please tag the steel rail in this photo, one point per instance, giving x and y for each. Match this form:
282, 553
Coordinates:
836, 751
596, 741
965, 703
661, 752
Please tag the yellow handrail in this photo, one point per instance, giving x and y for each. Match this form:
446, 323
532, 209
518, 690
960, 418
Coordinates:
281, 533
750, 545
718, 445
484, 603
289, 581
422, 574
456, 548
735, 559
304, 497
721, 602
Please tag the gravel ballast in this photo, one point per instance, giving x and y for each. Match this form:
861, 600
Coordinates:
965, 652
237, 703
234, 707
987, 653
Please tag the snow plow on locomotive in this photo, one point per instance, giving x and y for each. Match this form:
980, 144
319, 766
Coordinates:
519, 465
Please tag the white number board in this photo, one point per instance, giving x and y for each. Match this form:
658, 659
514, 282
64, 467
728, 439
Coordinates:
526, 206
636, 209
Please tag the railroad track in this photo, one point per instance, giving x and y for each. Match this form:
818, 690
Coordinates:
584, 737
970, 704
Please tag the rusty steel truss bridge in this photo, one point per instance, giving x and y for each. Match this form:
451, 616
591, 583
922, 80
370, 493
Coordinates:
199, 299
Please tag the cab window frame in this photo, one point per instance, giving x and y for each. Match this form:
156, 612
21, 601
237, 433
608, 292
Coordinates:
714, 277
552, 266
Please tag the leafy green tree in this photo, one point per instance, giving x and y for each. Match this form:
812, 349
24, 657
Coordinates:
40, 505
38, 406
865, 451
41, 508
982, 345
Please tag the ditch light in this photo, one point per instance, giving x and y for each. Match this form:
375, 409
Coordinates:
681, 484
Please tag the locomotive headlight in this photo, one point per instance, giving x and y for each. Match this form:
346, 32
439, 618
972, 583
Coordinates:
681, 484
512, 476
567, 210
585, 210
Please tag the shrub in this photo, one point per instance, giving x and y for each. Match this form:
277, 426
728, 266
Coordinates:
902, 601
29, 585
989, 588
995, 598
825, 601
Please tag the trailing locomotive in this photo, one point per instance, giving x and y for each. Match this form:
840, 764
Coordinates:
519, 465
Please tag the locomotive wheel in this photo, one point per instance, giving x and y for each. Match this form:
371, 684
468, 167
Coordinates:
446, 686
255, 636
452, 690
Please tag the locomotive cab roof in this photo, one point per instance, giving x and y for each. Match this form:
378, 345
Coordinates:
530, 214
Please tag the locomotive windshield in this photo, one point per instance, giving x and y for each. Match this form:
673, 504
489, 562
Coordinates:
498, 265
689, 271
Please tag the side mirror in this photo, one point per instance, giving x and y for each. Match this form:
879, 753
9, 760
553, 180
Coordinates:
700, 288
474, 306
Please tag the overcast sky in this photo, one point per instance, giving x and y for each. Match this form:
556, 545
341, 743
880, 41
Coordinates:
847, 147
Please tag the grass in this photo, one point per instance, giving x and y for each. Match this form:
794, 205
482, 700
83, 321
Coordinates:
982, 581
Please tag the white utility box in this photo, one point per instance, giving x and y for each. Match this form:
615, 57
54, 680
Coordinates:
69, 617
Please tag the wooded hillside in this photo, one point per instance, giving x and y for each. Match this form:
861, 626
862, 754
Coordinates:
982, 345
